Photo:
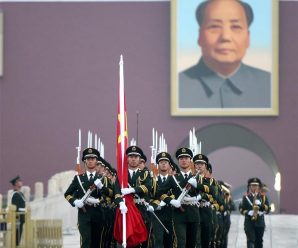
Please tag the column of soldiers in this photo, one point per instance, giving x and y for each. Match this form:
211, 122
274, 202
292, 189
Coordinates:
182, 205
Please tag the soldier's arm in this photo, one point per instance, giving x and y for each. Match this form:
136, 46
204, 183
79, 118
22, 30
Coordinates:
145, 184
70, 192
117, 192
265, 206
107, 189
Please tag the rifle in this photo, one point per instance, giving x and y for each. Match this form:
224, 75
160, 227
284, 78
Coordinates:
185, 191
88, 193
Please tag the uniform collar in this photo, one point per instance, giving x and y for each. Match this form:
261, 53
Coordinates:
212, 81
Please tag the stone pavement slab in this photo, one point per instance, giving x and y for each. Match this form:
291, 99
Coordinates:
281, 232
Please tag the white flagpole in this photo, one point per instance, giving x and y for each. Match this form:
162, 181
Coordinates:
122, 127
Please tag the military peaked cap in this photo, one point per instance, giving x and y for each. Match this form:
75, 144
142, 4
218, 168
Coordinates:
134, 150
183, 152
163, 156
14, 180
90, 153
254, 181
143, 157
201, 158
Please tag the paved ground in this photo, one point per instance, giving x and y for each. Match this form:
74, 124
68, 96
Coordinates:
281, 232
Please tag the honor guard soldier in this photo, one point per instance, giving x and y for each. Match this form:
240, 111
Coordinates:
108, 205
19, 201
140, 183
162, 210
253, 206
90, 213
229, 206
186, 214
201, 163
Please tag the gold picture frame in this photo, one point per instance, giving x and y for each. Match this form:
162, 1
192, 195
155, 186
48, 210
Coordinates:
185, 52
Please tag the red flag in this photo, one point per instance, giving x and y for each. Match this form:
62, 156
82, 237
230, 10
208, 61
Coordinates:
136, 231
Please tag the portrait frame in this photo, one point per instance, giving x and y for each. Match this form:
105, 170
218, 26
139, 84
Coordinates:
183, 55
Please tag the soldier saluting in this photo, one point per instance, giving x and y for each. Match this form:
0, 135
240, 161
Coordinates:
253, 206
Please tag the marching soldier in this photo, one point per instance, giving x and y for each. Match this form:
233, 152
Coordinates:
253, 206
90, 214
108, 205
229, 206
18, 199
201, 162
140, 184
163, 211
186, 214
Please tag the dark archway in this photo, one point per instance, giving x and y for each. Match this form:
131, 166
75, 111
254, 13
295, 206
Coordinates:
218, 136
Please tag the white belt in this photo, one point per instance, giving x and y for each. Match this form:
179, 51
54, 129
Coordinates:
192, 203
205, 204
139, 200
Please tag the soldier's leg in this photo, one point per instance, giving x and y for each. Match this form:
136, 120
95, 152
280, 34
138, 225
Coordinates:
158, 233
168, 239
84, 227
98, 223
191, 234
180, 233
250, 234
259, 237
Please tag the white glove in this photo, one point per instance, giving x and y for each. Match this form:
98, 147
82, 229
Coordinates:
91, 200
150, 209
199, 197
126, 191
78, 203
258, 202
161, 204
175, 203
189, 198
250, 213
98, 183
193, 182
123, 208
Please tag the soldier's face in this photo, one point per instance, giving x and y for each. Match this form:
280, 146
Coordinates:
164, 165
133, 161
91, 163
201, 167
224, 34
100, 169
142, 165
254, 188
19, 183
184, 162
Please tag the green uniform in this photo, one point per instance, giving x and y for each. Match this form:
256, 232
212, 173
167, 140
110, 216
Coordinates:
141, 182
229, 206
254, 228
91, 218
187, 218
165, 214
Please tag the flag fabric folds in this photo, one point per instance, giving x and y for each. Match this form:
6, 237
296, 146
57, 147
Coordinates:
129, 226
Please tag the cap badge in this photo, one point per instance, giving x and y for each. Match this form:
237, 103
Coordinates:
90, 150
134, 148
183, 150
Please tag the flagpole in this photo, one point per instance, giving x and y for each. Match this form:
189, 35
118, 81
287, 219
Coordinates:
122, 138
